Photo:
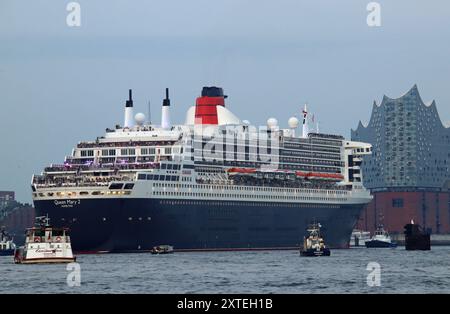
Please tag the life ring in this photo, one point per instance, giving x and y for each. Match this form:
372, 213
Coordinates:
58, 239
37, 239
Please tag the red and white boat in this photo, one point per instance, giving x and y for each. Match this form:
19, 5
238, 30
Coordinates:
45, 244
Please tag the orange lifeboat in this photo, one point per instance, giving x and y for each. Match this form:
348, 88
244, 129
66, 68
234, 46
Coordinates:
234, 171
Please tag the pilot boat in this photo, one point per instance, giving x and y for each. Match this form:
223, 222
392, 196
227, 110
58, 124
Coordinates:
314, 245
45, 244
381, 239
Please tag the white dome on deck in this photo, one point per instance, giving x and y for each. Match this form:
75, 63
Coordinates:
293, 122
139, 118
272, 123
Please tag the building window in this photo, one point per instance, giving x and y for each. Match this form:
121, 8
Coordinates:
397, 202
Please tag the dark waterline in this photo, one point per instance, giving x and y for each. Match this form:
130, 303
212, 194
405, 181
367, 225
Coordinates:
238, 272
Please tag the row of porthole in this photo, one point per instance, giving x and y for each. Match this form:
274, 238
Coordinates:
131, 218
254, 196
235, 203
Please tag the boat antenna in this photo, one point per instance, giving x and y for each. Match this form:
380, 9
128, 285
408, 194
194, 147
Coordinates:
149, 113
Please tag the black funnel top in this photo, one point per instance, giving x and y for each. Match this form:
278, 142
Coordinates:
212, 91
166, 102
129, 102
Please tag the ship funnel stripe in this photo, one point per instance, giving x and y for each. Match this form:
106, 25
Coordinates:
206, 109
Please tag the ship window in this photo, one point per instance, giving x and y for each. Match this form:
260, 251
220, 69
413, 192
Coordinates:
169, 166
85, 153
141, 176
116, 186
129, 186
163, 166
108, 152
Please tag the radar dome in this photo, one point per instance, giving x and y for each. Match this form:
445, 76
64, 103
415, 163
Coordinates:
139, 118
246, 122
272, 123
293, 122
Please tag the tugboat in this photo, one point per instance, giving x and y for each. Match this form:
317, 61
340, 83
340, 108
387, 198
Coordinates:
416, 238
381, 239
7, 245
162, 249
314, 245
45, 244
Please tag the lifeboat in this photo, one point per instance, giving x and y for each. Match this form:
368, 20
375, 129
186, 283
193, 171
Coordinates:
242, 171
283, 174
324, 176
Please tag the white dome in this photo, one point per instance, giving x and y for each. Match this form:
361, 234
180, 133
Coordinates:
139, 118
272, 123
293, 122
245, 122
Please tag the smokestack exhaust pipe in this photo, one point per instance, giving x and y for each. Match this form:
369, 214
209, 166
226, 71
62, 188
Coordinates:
165, 113
129, 120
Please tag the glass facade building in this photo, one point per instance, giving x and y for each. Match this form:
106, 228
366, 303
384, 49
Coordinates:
408, 172
411, 146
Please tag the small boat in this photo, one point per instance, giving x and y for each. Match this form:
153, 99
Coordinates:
314, 245
381, 239
359, 238
45, 244
7, 245
162, 249
416, 238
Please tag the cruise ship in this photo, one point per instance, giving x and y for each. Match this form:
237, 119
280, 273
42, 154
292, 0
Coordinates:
213, 183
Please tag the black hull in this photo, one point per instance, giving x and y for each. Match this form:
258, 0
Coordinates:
418, 242
6, 252
416, 239
380, 244
133, 225
313, 253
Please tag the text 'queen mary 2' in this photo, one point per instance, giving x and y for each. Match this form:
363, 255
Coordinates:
214, 183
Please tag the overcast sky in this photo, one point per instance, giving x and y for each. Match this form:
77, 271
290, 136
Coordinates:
60, 85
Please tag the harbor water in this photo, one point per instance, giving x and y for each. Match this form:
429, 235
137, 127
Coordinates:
345, 271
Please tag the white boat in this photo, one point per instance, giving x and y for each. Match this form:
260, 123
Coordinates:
7, 245
45, 244
162, 249
381, 239
359, 238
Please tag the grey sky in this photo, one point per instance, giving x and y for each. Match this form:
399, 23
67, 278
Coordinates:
60, 85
